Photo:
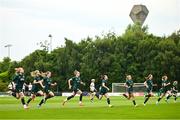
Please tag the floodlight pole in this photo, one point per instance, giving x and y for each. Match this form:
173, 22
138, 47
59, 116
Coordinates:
50, 36
8, 46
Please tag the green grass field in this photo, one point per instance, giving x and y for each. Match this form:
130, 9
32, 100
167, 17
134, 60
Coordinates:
10, 108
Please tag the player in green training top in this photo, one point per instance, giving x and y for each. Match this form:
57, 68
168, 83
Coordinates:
165, 88
104, 89
19, 80
37, 85
129, 85
174, 91
149, 85
76, 81
47, 89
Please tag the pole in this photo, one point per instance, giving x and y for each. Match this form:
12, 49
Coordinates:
8, 46
50, 36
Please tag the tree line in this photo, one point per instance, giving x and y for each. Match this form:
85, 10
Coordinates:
136, 52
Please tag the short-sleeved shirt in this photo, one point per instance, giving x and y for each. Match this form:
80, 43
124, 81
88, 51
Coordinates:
76, 82
47, 83
130, 84
165, 82
19, 80
92, 87
36, 87
103, 90
150, 85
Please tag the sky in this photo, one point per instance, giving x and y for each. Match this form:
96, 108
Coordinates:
24, 23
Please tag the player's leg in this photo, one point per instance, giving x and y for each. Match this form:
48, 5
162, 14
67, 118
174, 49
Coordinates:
97, 94
17, 95
175, 97
31, 98
80, 97
159, 99
21, 94
133, 99
13, 93
108, 99
69, 97
50, 95
147, 96
169, 94
91, 96
43, 100
125, 95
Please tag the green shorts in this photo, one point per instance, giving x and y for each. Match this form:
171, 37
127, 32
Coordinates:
103, 91
35, 90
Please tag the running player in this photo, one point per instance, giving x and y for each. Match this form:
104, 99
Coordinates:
149, 85
92, 90
37, 85
19, 80
129, 85
104, 89
165, 88
174, 91
76, 81
47, 92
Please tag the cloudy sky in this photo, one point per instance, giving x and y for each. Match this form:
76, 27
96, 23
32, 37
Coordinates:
24, 23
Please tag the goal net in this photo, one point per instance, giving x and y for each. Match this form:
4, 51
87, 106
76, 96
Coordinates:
120, 88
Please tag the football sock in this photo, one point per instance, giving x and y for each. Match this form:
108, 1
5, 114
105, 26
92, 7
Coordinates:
80, 98
14, 94
42, 101
168, 97
108, 101
134, 102
146, 100
23, 101
29, 100
68, 98
175, 98
125, 95
159, 99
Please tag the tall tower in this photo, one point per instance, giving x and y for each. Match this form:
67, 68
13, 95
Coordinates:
139, 13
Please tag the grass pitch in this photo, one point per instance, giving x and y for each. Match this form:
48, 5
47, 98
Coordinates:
11, 109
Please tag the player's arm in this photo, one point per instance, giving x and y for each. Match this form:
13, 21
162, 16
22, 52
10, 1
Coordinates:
145, 83
167, 84
125, 84
53, 84
69, 83
82, 83
41, 83
103, 84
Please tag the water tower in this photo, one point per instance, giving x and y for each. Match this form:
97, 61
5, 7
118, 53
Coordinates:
139, 13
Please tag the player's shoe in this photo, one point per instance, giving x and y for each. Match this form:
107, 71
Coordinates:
44, 100
166, 100
125, 95
110, 105
80, 104
136, 105
144, 104
38, 106
157, 102
63, 103
25, 107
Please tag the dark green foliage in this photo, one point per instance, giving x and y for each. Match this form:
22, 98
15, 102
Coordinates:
136, 52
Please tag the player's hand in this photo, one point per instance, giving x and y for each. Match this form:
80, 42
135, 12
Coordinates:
43, 86
55, 83
108, 89
70, 87
84, 84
